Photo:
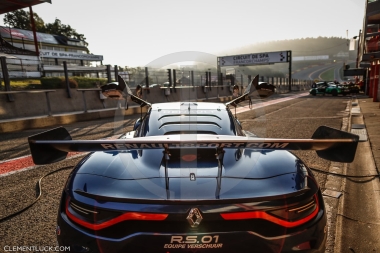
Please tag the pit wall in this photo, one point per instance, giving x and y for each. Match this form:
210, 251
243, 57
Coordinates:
49, 108
55, 102
39, 103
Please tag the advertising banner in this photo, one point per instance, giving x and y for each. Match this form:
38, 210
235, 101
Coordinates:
26, 35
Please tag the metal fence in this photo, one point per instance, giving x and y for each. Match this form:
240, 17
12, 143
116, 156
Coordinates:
145, 76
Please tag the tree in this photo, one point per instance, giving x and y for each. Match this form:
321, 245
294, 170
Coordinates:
21, 19
61, 29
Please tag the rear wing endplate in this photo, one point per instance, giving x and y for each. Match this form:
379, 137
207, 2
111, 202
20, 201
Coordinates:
329, 143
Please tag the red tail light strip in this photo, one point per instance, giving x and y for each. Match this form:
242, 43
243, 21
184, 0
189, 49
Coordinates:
123, 217
268, 217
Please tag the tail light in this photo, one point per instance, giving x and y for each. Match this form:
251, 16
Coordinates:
290, 216
100, 219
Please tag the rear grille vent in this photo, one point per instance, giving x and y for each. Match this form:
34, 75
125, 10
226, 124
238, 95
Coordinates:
190, 115
190, 123
190, 132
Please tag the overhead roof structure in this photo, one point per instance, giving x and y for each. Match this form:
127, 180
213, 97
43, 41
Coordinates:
12, 5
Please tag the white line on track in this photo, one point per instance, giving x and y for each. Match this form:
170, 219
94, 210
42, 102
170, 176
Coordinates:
267, 103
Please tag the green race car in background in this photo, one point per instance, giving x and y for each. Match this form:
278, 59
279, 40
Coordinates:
330, 88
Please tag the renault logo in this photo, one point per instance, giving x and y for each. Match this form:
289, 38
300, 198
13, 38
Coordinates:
194, 218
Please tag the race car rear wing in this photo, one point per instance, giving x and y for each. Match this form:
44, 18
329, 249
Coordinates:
331, 144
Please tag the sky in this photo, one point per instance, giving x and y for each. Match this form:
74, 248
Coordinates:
135, 33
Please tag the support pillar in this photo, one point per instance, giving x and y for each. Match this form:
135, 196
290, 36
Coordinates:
7, 81
376, 81
34, 31
289, 55
116, 73
241, 84
174, 79
66, 79
371, 79
221, 79
209, 79
108, 70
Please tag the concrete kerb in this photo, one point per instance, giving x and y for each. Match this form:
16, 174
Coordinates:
364, 196
340, 201
335, 184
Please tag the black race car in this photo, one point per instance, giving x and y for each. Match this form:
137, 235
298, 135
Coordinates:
190, 179
264, 89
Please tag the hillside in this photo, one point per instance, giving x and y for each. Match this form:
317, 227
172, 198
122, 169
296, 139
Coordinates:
300, 47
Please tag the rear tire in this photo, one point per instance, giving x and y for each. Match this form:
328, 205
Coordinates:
313, 92
334, 93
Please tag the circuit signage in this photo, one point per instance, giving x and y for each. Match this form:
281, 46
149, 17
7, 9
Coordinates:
254, 59
69, 55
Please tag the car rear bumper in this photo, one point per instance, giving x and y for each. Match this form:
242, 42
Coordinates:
310, 240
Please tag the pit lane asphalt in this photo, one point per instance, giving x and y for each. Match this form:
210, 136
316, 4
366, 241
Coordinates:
297, 118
